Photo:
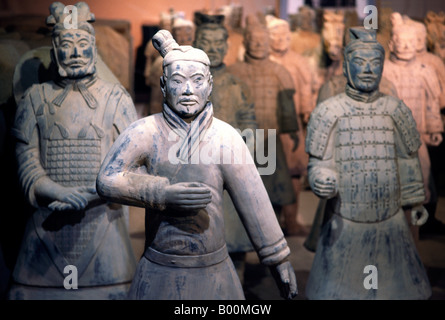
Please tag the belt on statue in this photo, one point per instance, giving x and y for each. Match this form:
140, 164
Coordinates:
187, 261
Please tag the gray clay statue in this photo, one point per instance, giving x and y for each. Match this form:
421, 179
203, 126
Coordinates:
76, 246
176, 164
363, 148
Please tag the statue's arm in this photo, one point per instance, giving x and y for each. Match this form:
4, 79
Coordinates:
322, 173
123, 176
407, 140
244, 184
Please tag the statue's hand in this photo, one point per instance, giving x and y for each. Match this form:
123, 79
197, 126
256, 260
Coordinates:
284, 276
436, 139
325, 186
187, 196
74, 198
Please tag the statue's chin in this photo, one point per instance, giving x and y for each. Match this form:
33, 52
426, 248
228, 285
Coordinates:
76, 73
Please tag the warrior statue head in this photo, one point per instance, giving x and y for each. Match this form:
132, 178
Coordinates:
279, 34
211, 37
73, 39
256, 38
363, 60
403, 40
332, 33
186, 82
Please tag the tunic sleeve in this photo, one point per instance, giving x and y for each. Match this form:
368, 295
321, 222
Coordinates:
27, 150
253, 205
123, 177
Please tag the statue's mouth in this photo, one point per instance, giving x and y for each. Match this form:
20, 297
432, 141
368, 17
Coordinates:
188, 102
76, 63
368, 78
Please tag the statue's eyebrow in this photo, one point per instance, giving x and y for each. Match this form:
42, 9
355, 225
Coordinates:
177, 73
198, 74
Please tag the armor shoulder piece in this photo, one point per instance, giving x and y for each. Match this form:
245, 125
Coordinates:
404, 122
321, 122
25, 118
125, 111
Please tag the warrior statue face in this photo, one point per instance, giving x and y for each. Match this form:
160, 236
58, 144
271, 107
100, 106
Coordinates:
363, 68
75, 53
332, 35
183, 35
186, 87
403, 43
257, 43
213, 41
280, 38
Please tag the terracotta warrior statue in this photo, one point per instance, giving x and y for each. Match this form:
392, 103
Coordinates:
76, 245
305, 38
436, 153
418, 86
429, 58
273, 89
176, 164
297, 65
232, 103
363, 157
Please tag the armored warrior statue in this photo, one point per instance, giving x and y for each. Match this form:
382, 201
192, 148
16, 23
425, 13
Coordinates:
64, 128
273, 90
232, 103
363, 149
181, 183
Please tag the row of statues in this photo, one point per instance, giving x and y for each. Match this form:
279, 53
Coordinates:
84, 158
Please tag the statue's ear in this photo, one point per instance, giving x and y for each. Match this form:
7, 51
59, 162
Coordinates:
162, 82
345, 72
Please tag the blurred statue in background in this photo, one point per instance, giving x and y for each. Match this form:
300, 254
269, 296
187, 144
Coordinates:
297, 65
273, 90
418, 86
305, 38
64, 128
233, 22
363, 157
436, 153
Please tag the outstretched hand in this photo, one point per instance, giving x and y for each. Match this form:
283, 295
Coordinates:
187, 196
284, 276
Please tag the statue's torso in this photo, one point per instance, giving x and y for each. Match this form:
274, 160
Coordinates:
365, 156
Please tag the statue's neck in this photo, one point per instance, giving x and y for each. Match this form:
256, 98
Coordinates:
361, 95
249, 59
400, 62
279, 54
